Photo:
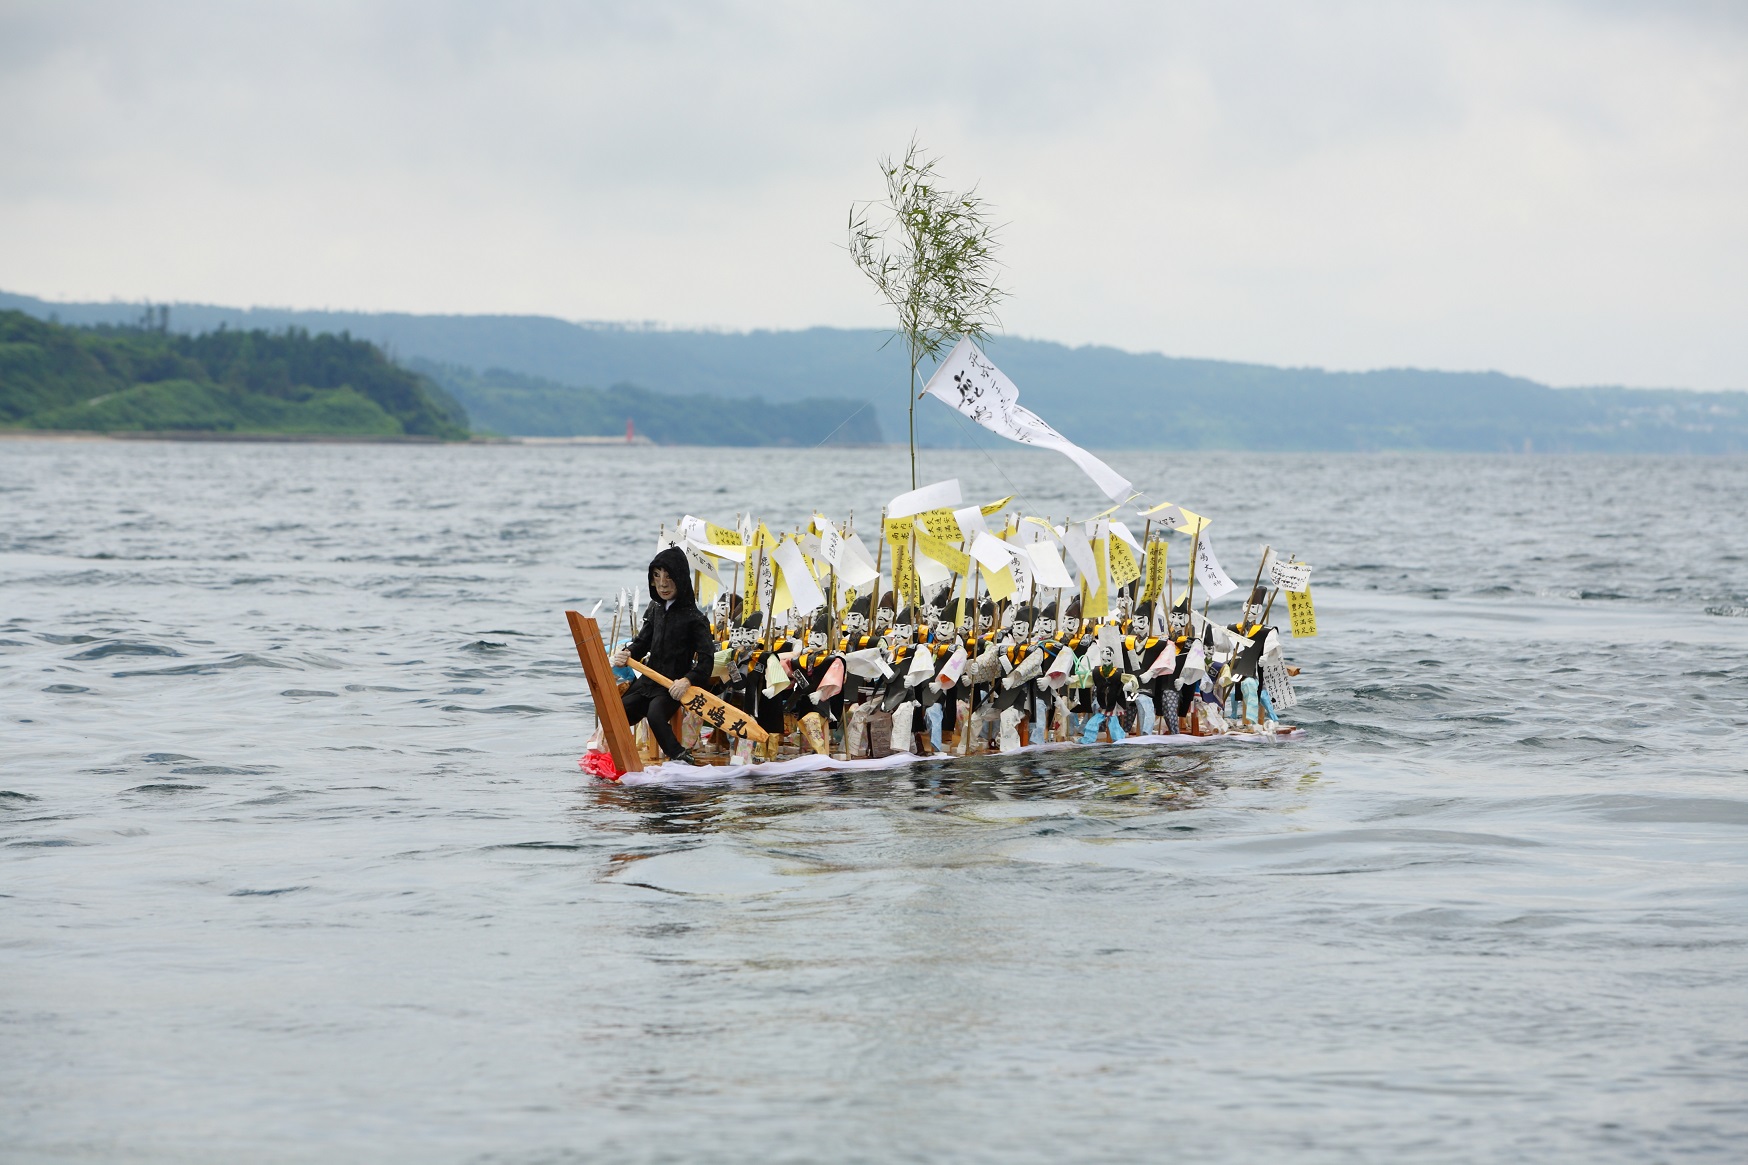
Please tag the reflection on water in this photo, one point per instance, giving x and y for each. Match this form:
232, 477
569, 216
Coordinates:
296, 863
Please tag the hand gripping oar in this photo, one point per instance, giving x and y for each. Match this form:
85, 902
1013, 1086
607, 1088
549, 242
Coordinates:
710, 709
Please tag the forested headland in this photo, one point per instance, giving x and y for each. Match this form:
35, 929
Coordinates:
110, 378
143, 377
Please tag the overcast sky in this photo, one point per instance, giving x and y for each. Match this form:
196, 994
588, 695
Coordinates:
1552, 188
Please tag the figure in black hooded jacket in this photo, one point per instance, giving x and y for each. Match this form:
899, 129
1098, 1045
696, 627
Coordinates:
676, 641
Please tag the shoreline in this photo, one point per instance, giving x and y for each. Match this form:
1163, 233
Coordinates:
200, 435
206, 435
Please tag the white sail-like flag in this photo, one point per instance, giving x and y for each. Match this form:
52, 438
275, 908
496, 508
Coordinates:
941, 495
1208, 571
969, 384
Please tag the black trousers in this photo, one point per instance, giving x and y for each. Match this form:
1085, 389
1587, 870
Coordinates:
660, 708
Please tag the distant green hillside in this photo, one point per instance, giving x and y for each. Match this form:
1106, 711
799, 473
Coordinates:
530, 406
110, 378
1100, 397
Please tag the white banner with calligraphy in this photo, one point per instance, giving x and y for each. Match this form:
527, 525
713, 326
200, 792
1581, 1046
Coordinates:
1208, 571
968, 383
1290, 576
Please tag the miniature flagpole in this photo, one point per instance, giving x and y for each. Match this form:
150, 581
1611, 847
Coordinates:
1272, 594
1059, 609
728, 607
618, 606
970, 650
879, 563
1244, 617
1190, 586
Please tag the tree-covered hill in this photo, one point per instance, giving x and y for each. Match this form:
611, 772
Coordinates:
110, 378
1101, 397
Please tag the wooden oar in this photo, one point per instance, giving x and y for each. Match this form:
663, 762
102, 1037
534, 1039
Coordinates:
710, 709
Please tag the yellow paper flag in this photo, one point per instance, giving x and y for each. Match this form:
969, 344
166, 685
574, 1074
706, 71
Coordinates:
781, 599
1123, 568
1302, 614
721, 535
1096, 605
1000, 583
904, 576
995, 507
942, 524
1154, 570
758, 559
944, 553
899, 530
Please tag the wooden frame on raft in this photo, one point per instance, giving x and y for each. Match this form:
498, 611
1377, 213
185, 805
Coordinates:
604, 690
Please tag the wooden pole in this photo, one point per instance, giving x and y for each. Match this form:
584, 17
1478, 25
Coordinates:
609, 711
710, 709
1272, 594
1190, 586
971, 651
1244, 616
728, 607
879, 564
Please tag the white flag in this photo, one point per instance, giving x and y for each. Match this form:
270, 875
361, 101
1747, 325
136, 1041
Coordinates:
971, 522
941, 495
991, 551
701, 562
1047, 566
831, 547
1074, 540
1122, 532
1175, 518
1291, 576
857, 567
969, 384
1021, 565
802, 588
1208, 571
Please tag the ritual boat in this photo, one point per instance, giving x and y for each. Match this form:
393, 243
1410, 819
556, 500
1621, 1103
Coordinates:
963, 633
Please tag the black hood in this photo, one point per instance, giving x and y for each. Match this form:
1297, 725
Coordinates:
674, 561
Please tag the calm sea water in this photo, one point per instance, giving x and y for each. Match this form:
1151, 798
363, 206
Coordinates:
296, 863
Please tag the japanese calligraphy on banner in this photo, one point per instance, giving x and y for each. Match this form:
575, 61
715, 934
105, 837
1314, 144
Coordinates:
1021, 569
899, 529
756, 587
831, 547
1208, 571
1175, 518
904, 576
942, 524
944, 553
1123, 568
1155, 571
1292, 577
1276, 683
1302, 614
968, 383
723, 536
